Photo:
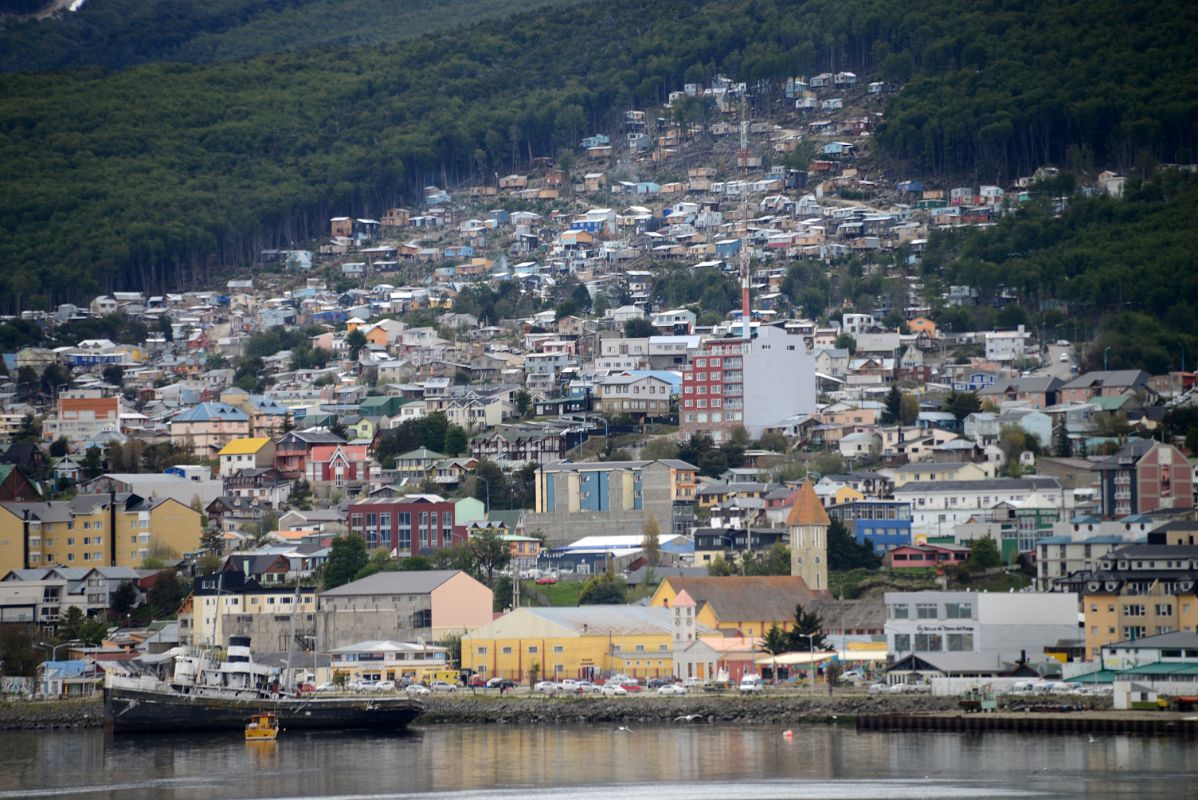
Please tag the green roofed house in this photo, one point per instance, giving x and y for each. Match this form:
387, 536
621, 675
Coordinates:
381, 406
1146, 670
15, 487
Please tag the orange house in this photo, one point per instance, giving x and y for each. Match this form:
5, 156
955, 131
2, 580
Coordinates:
923, 325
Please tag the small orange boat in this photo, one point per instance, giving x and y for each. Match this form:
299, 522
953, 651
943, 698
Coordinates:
262, 727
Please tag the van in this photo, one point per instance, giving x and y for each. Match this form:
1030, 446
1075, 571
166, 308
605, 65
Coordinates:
751, 684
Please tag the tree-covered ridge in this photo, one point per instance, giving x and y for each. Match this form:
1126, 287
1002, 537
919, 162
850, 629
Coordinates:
120, 33
162, 174
1131, 263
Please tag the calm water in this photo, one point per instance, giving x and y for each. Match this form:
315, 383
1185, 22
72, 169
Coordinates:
576, 763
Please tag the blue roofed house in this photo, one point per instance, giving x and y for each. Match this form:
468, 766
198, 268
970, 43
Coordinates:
74, 678
207, 427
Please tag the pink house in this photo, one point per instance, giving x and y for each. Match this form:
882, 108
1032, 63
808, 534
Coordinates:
338, 466
925, 556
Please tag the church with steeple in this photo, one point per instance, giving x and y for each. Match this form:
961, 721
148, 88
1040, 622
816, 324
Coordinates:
808, 524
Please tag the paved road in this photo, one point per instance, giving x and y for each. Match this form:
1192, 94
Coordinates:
1054, 366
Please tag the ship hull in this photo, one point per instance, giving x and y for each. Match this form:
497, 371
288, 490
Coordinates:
130, 711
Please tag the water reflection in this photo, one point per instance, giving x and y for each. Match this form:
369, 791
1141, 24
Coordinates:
587, 762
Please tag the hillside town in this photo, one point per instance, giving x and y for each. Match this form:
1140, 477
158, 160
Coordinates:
586, 423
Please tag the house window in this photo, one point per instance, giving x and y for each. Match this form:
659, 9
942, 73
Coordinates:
532, 649
482, 651
507, 651
925, 611
902, 643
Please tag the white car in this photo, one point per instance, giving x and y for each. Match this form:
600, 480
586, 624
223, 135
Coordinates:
416, 688
383, 686
879, 688
586, 686
751, 684
614, 690
546, 686
672, 689
442, 686
1064, 357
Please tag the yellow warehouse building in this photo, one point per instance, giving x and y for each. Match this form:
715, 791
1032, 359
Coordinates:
584, 642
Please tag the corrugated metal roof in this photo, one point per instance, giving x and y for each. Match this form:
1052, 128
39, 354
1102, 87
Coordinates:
403, 582
736, 599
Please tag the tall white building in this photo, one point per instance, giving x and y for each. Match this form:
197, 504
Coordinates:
757, 385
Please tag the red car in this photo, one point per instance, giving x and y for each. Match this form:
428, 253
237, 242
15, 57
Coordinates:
632, 687
546, 581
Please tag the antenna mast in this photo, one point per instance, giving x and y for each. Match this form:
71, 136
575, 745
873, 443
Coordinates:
745, 314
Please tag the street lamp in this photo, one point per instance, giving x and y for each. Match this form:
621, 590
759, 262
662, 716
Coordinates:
811, 654
53, 648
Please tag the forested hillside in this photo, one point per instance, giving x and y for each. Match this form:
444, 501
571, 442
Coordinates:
1130, 264
161, 174
121, 33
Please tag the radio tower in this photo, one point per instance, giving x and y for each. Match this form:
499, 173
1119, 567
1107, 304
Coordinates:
745, 314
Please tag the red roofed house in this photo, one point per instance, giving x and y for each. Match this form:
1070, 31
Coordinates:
338, 467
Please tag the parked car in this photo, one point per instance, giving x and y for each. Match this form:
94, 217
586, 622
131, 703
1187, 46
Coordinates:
695, 683
751, 684
500, 683
614, 690
478, 681
657, 683
416, 688
879, 688
672, 690
328, 687
586, 687
546, 580
546, 686
442, 686
383, 686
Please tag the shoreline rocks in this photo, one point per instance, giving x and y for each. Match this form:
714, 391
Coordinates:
488, 708
82, 712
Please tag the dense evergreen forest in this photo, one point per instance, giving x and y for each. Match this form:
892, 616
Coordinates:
159, 175
1130, 265
121, 33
